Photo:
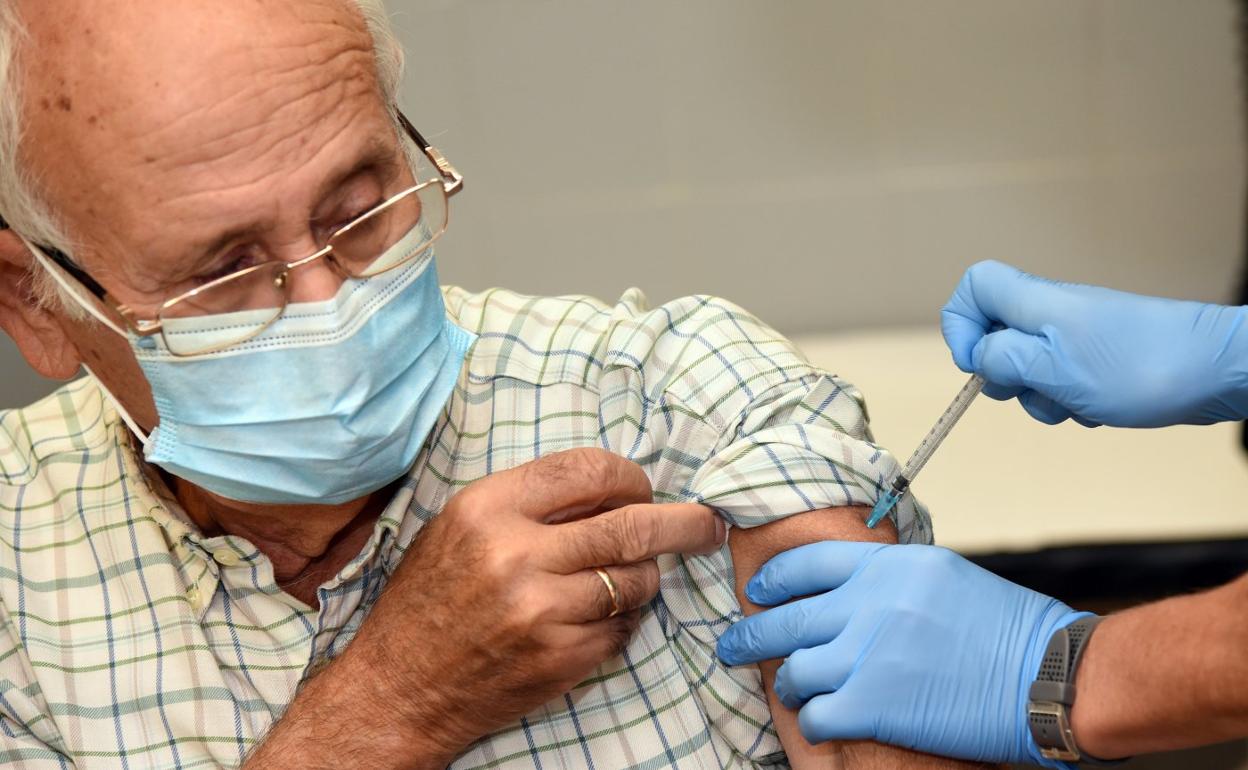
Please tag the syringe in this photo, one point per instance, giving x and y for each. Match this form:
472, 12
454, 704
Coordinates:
927, 448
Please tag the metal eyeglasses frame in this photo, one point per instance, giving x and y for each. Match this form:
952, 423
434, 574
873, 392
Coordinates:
452, 182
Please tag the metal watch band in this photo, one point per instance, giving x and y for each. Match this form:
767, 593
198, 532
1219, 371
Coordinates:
1053, 693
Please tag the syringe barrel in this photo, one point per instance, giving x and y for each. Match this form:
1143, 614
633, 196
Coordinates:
943, 426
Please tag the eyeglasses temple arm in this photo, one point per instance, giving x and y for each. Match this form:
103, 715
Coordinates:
455, 180
65, 263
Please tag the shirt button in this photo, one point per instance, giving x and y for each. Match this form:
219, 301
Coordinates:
192, 596
225, 557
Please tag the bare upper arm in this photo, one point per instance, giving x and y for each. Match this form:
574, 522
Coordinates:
750, 549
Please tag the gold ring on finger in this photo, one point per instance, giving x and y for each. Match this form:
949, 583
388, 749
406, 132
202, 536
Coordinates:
611, 589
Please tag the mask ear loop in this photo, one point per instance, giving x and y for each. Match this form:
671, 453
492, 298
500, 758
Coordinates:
75, 292
58, 275
144, 438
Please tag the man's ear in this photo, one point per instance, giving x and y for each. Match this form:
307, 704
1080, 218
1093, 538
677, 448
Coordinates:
37, 331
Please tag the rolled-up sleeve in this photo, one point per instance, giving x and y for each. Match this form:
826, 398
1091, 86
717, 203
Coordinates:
728, 409
801, 447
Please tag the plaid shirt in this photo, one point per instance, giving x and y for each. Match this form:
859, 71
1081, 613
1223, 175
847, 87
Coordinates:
131, 640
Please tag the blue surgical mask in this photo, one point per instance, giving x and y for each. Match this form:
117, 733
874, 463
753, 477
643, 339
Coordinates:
331, 402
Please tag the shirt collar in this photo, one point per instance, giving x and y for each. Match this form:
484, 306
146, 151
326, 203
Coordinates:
164, 508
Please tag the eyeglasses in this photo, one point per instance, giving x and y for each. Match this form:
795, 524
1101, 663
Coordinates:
246, 302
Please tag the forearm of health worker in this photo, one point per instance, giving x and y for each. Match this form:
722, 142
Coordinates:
1099, 356
917, 647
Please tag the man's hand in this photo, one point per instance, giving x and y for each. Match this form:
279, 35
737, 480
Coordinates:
1100, 356
910, 645
496, 608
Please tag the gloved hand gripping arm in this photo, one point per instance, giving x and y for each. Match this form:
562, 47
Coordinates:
910, 645
915, 646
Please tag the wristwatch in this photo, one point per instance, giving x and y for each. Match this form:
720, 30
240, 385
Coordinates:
1053, 693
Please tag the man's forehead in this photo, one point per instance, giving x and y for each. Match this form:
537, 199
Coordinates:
127, 93
119, 51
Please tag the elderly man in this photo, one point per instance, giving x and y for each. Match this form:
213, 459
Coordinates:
310, 510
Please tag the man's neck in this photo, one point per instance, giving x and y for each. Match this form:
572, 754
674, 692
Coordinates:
307, 544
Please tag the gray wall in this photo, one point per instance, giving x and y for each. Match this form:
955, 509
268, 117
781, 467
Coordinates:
828, 164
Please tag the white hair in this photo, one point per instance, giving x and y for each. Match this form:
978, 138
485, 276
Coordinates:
20, 203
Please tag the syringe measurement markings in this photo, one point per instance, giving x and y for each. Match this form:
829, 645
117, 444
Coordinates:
944, 425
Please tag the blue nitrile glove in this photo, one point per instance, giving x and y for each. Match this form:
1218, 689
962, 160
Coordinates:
910, 645
1100, 356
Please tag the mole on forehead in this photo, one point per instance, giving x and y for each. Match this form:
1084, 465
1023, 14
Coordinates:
61, 102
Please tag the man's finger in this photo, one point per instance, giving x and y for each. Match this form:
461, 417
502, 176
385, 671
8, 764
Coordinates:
780, 632
636, 533
806, 570
587, 597
604, 639
567, 485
